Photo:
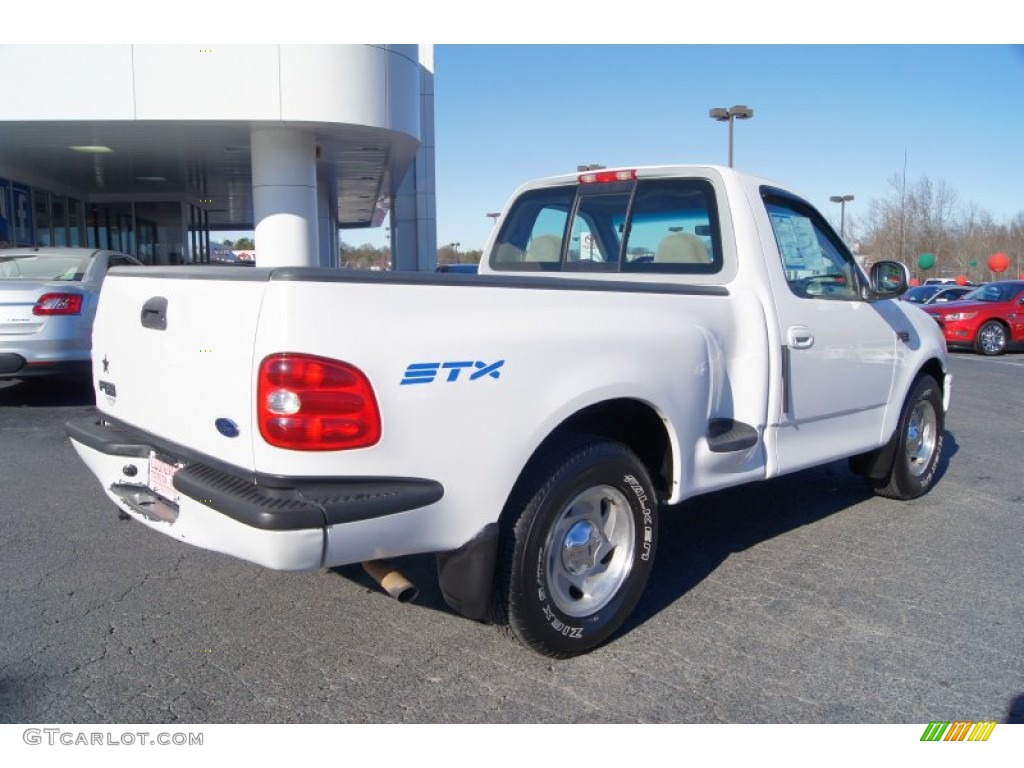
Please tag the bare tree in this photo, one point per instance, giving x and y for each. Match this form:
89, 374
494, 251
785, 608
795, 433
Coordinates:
925, 217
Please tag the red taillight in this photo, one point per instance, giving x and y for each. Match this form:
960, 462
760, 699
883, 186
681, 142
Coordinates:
592, 177
309, 403
58, 304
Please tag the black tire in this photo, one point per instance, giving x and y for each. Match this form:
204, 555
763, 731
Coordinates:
991, 339
578, 542
918, 438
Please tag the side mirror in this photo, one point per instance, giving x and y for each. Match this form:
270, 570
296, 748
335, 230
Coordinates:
889, 279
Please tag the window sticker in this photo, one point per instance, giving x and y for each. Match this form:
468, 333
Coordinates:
797, 242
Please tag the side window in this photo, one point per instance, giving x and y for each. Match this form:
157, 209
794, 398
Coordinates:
815, 263
673, 228
532, 233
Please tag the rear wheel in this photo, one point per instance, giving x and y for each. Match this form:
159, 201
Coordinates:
918, 443
991, 339
577, 548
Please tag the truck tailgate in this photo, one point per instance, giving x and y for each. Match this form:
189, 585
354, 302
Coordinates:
172, 355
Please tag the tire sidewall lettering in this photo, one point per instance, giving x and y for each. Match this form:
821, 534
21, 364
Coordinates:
647, 515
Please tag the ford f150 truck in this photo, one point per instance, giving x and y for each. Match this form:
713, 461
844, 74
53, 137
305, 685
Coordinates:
635, 337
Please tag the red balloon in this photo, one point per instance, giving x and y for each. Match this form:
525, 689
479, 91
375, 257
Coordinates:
998, 262
915, 281
961, 279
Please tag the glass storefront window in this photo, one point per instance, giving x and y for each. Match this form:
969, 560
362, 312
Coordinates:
75, 223
59, 219
168, 232
99, 237
41, 206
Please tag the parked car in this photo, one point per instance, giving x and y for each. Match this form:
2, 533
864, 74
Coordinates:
48, 300
936, 293
989, 319
220, 254
945, 281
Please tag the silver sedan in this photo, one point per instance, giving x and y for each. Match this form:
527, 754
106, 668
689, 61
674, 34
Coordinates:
48, 301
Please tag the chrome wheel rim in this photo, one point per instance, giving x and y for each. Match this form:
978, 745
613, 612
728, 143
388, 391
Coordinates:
922, 437
993, 337
588, 554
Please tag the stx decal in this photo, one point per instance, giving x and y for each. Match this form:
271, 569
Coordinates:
426, 373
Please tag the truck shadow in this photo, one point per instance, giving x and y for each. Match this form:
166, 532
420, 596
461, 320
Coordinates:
1015, 710
698, 535
46, 393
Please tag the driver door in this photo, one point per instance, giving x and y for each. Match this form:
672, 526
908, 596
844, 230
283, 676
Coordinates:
839, 352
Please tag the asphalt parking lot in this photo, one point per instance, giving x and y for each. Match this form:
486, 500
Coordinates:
802, 600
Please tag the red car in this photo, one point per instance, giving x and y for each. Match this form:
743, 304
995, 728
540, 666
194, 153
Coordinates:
989, 318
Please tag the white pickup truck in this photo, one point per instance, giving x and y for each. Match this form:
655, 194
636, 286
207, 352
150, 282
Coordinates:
636, 337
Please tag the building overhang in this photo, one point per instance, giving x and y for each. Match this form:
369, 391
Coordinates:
205, 163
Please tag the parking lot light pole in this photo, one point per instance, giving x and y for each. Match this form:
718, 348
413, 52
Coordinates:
842, 200
730, 115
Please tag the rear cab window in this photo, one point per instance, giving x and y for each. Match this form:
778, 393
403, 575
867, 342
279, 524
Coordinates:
648, 225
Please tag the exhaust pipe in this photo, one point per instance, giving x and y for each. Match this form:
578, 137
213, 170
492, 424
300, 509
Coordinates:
391, 581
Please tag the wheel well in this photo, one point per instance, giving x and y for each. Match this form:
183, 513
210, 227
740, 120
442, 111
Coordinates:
997, 321
934, 369
631, 422
874, 464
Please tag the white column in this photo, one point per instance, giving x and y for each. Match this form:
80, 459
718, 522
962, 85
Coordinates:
413, 209
284, 197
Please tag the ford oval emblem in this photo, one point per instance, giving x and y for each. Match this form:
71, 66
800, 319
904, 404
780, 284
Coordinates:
227, 427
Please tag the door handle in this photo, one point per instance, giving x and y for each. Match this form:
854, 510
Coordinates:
154, 314
800, 337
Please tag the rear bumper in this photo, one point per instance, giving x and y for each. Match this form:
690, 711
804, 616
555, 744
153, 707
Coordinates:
278, 522
958, 333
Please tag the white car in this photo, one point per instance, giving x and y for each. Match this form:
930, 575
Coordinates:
48, 301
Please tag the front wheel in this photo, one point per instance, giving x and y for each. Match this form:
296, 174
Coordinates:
578, 547
991, 339
918, 443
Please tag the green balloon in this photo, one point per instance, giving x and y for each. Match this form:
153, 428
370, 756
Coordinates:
973, 262
926, 260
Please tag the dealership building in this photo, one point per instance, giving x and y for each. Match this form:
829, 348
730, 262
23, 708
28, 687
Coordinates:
150, 149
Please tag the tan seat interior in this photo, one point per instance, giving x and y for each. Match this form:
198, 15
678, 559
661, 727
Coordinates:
681, 248
544, 248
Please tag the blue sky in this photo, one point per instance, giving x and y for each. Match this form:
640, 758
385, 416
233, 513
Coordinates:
942, 87
828, 119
